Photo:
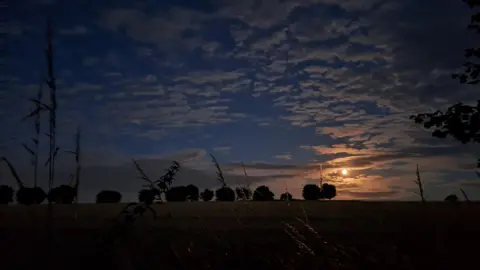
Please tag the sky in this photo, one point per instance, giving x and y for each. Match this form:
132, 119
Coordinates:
286, 87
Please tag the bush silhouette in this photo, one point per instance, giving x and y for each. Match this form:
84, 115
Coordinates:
328, 191
225, 194
263, 193
286, 196
451, 198
108, 196
6, 194
311, 192
207, 195
193, 193
61, 195
147, 196
243, 193
176, 194
28, 196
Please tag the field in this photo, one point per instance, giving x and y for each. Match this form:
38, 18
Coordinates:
246, 235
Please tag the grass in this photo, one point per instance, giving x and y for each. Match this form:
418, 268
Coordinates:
245, 235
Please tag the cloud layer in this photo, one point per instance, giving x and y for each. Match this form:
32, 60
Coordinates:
285, 86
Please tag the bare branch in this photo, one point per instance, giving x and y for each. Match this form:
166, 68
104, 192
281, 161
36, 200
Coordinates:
419, 183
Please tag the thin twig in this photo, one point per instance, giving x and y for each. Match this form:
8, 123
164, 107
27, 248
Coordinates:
419, 183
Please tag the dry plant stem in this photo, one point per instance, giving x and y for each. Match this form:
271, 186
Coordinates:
419, 183
142, 173
52, 108
219, 171
247, 182
321, 175
78, 168
299, 239
36, 139
13, 171
465, 195
39, 107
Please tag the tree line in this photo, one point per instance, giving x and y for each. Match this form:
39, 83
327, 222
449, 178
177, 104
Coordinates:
64, 194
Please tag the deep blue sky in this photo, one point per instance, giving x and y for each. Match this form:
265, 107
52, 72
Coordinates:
283, 86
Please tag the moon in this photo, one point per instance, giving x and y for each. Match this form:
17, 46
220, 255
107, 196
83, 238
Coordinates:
344, 172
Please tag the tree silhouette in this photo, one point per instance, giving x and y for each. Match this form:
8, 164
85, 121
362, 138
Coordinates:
225, 194
108, 196
263, 193
328, 191
286, 196
472, 55
147, 196
6, 194
311, 192
451, 198
460, 121
28, 196
62, 194
243, 193
25, 195
193, 193
176, 194
207, 195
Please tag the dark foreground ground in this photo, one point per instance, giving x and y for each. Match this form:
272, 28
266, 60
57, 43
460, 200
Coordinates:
246, 235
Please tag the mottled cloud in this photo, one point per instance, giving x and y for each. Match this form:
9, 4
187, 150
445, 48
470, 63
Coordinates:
307, 82
283, 157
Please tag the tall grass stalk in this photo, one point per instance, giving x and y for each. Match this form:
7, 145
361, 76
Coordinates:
13, 171
52, 109
219, 171
321, 175
143, 175
35, 114
419, 183
52, 106
465, 195
78, 168
247, 182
